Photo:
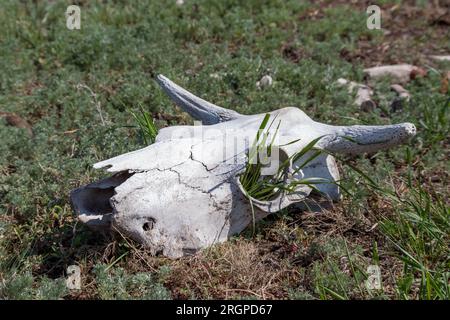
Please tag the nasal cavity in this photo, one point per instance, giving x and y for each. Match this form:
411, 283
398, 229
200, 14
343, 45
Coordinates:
149, 224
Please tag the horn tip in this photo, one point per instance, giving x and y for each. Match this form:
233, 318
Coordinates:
409, 128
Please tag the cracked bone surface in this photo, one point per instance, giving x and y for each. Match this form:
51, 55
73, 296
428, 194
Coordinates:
182, 193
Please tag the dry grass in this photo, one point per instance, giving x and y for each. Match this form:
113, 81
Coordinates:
231, 270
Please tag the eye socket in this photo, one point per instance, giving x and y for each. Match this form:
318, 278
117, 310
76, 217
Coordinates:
147, 226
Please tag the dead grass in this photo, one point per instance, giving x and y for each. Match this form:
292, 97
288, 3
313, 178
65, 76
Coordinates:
231, 270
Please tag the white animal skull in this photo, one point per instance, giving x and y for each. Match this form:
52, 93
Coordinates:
182, 193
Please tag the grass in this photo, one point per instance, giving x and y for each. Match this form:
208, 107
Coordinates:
77, 88
263, 187
420, 233
146, 125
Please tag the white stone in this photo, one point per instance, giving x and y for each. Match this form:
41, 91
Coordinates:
364, 94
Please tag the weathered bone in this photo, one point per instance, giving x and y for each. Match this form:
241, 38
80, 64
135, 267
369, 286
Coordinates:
182, 193
196, 107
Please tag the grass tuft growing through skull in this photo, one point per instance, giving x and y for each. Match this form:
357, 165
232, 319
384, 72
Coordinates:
266, 187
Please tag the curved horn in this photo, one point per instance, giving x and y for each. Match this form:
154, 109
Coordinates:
198, 108
360, 139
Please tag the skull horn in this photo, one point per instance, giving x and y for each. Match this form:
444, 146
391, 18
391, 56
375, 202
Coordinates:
198, 108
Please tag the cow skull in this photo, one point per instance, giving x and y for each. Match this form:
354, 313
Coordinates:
183, 193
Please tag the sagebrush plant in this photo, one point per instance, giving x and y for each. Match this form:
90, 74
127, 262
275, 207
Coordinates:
25, 287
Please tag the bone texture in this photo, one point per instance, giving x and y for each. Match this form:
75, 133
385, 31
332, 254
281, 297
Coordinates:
182, 193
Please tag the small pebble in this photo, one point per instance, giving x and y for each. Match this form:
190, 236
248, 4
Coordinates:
265, 81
